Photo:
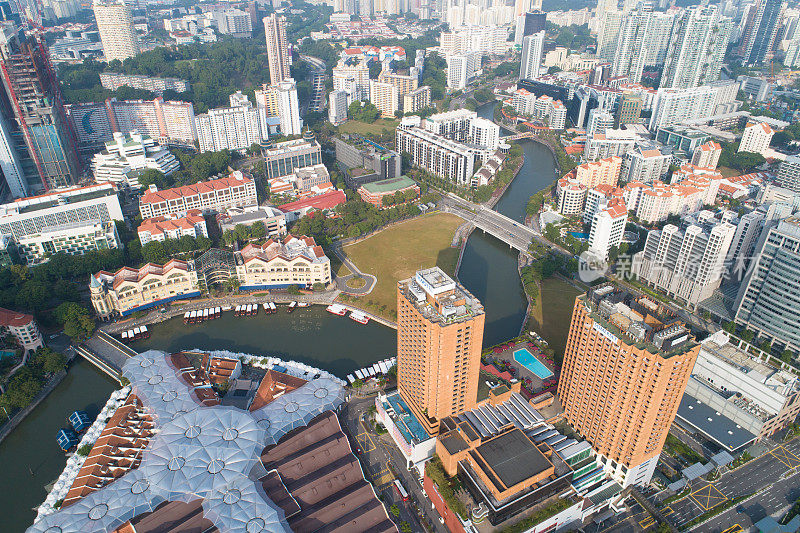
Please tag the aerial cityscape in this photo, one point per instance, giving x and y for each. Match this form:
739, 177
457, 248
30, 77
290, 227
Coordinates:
436, 266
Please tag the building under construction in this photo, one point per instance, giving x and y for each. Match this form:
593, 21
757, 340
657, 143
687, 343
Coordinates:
35, 126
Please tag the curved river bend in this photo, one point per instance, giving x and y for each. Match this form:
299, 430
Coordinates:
31, 459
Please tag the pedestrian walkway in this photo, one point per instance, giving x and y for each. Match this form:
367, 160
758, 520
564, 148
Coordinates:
341, 281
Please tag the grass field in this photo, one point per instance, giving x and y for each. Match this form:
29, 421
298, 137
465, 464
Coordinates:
728, 172
376, 128
398, 252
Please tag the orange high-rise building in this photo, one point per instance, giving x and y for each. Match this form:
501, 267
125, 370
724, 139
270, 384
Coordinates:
626, 366
439, 341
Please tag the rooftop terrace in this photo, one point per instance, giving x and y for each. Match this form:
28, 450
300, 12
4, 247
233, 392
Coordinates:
638, 321
439, 298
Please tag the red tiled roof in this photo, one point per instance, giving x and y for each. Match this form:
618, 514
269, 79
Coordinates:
14, 318
151, 197
158, 225
327, 200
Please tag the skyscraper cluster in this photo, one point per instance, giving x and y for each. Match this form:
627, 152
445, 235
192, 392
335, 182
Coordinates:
690, 43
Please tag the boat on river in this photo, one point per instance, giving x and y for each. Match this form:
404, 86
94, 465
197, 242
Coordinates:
337, 309
292, 307
359, 317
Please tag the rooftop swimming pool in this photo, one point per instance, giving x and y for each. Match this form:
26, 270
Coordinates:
405, 421
529, 361
579, 235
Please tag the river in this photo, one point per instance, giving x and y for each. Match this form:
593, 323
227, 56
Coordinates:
31, 459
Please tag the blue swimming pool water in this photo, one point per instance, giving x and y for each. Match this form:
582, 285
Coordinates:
529, 361
408, 424
578, 234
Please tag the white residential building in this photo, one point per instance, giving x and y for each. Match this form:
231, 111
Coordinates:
462, 69
484, 39
123, 157
384, 96
608, 144
353, 79
215, 195
608, 227
233, 128
756, 138
23, 328
687, 263
338, 102
673, 106
438, 155
173, 227
484, 133
599, 121
289, 108
532, 53
645, 164
115, 25
277, 48
707, 155
789, 173
630, 54
697, 48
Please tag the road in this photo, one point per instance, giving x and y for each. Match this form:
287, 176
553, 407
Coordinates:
507, 230
382, 461
776, 471
341, 281
317, 79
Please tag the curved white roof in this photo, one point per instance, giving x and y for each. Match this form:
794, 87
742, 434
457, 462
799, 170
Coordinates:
198, 452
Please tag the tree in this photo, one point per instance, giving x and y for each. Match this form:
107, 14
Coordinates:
258, 230
357, 384
787, 356
395, 510
730, 327
50, 361
155, 252
152, 176
766, 346
78, 325
405, 527
747, 335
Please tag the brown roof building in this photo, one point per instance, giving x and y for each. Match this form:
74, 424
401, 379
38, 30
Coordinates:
314, 477
439, 341
626, 366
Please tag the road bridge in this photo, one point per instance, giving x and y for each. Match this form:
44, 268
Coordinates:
511, 232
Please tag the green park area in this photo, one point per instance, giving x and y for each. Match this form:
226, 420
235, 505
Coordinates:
399, 251
364, 128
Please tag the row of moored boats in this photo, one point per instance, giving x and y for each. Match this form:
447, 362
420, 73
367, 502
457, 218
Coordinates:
340, 310
201, 315
139, 332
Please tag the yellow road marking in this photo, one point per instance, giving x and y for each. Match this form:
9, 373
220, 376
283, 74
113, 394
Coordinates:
708, 497
785, 456
647, 522
364, 439
384, 477
669, 510
736, 528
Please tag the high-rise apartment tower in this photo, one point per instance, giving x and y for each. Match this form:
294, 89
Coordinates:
439, 341
626, 366
115, 24
277, 48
